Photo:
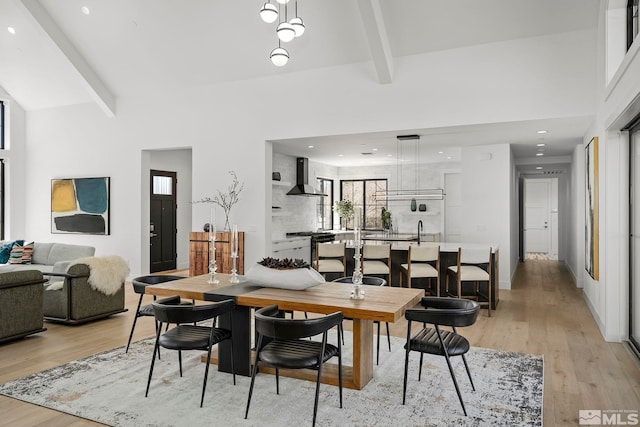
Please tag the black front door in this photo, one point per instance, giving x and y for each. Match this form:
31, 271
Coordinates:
163, 221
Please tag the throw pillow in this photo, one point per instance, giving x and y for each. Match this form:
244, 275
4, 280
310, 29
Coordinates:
21, 254
5, 250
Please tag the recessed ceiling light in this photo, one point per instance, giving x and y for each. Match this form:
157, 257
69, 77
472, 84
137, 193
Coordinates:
448, 157
340, 155
440, 152
542, 131
374, 149
11, 30
85, 10
310, 146
538, 167
539, 154
540, 145
389, 155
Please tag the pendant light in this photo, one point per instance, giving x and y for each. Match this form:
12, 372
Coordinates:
285, 31
269, 12
283, 1
297, 24
279, 56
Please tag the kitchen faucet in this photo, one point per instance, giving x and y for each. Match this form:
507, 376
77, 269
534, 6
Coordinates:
419, 228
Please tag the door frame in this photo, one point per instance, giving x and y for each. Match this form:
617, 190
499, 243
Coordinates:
555, 239
174, 196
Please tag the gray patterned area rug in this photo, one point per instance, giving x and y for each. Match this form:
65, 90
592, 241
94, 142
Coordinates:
109, 388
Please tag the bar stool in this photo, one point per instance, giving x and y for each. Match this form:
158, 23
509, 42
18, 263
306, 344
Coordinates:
139, 286
474, 265
331, 258
422, 262
376, 260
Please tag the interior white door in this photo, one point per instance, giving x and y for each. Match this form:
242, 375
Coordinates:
537, 228
452, 207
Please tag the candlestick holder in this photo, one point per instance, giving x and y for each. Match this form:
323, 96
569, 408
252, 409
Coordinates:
234, 271
358, 291
213, 268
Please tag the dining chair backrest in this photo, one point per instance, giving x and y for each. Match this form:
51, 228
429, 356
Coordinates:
480, 255
330, 250
376, 251
267, 324
366, 280
424, 252
190, 313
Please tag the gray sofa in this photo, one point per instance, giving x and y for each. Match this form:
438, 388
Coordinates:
21, 310
77, 302
49, 257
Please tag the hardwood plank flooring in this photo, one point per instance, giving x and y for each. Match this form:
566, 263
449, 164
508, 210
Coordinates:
544, 313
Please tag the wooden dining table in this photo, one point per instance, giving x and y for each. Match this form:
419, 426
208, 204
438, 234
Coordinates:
381, 303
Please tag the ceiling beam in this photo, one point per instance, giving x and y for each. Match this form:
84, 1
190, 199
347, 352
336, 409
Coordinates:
376, 33
98, 90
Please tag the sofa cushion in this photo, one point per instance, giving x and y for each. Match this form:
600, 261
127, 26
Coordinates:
21, 254
5, 250
41, 252
66, 252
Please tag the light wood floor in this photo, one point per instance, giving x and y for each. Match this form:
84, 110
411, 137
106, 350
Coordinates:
544, 313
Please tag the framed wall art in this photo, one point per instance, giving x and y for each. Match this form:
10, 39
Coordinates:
80, 205
591, 233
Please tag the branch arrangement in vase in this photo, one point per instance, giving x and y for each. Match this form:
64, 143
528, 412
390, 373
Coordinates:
226, 200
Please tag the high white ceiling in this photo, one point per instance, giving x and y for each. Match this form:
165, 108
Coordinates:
60, 56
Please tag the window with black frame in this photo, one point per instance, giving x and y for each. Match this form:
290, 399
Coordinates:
325, 204
361, 193
632, 22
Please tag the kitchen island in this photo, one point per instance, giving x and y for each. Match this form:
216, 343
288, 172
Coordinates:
448, 257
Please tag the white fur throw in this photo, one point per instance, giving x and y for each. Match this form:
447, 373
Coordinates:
106, 274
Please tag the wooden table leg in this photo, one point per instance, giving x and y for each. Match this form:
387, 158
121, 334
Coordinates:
362, 352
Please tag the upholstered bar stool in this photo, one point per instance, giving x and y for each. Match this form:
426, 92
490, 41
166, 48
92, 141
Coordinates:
376, 260
331, 258
474, 265
423, 262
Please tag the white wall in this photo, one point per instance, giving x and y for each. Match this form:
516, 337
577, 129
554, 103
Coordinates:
618, 102
487, 189
227, 126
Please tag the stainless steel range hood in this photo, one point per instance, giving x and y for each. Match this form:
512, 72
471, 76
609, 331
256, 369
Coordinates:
302, 187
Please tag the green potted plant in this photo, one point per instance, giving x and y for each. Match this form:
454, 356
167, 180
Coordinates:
386, 219
344, 209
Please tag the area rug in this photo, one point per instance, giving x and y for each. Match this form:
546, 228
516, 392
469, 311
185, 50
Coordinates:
109, 388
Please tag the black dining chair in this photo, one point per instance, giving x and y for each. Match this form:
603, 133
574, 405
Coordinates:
282, 344
371, 281
189, 336
451, 312
139, 286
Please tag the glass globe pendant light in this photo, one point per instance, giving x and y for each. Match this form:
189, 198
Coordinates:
283, 1
285, 31
269, 12
297, 24
279, 56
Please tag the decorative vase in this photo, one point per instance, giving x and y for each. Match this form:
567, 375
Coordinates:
414, 205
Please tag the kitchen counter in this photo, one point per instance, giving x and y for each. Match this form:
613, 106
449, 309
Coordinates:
398, 237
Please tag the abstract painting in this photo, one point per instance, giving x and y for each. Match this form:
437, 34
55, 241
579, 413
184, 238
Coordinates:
591, 233
80, 205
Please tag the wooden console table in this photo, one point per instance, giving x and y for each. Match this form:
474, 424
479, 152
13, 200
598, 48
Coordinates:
199, 252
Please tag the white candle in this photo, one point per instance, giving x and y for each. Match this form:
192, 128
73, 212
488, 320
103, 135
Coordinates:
234, 240
212, 222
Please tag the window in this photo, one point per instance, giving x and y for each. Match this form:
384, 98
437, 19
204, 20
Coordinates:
632, 22
325, 206
162, 185
362, 194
